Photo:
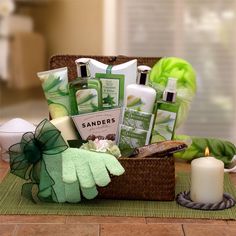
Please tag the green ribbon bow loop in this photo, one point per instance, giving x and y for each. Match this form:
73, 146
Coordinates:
26, 157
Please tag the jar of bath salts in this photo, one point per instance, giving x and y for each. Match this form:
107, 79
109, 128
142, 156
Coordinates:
11, 133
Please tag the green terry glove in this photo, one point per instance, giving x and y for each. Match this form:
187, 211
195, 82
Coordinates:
66, 175
89, 168
58, 190
69, 174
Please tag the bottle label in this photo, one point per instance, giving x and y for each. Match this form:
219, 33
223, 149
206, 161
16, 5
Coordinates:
112, 89
135, 103
56, 92
131, 138
164, 126
87, 100
110, 92
59, 104
138, 119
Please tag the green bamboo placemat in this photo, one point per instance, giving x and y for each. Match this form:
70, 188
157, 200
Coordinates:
11, 202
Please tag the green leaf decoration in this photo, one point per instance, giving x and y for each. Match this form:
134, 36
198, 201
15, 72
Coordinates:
162, 118
109, 100
49, 101
51, 82
85, 98
134, 102
63, 92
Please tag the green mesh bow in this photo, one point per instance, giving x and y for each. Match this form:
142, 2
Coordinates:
26, 157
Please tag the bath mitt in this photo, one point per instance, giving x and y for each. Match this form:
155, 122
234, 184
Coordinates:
60, 191
90, 168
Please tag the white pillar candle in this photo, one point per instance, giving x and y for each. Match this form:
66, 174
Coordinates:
66, 126
207, 180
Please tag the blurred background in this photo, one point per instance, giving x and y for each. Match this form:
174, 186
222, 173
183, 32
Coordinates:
201, 31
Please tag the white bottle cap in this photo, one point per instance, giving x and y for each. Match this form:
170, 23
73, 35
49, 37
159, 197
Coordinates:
143, 74
169, 94
82, 67
171, 85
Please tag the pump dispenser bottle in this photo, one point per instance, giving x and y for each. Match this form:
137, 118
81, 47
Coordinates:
166, 114
85, 92
139, 96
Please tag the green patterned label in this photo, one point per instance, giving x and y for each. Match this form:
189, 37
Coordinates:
131, 138
164, 125
137, 119
112, 89
87, 100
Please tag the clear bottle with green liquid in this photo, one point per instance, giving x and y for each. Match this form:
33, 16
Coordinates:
166, 114
85, 91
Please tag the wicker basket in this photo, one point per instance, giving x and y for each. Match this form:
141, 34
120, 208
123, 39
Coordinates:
144, 179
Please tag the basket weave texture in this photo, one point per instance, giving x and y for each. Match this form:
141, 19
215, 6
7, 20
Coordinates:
144, 178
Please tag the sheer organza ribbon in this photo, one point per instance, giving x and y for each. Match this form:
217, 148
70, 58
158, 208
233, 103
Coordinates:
26, 157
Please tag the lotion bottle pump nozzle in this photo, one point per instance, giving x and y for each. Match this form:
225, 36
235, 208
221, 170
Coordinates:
83, 68
143, 75
170, 91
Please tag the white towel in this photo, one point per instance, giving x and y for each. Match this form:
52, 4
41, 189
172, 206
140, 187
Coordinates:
8, 26
15, 23
4, 52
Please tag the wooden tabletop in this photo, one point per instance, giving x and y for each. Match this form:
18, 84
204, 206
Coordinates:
48, 225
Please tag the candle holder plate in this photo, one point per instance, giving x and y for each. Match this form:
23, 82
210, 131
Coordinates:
183, 199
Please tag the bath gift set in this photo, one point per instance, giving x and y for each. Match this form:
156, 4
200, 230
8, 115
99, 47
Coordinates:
112, 128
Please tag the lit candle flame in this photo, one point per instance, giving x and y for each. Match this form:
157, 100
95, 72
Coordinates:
207, 152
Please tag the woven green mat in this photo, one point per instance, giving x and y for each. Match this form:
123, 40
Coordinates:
11, 202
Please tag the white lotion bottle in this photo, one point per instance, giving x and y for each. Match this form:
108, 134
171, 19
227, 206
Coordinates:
139, 96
